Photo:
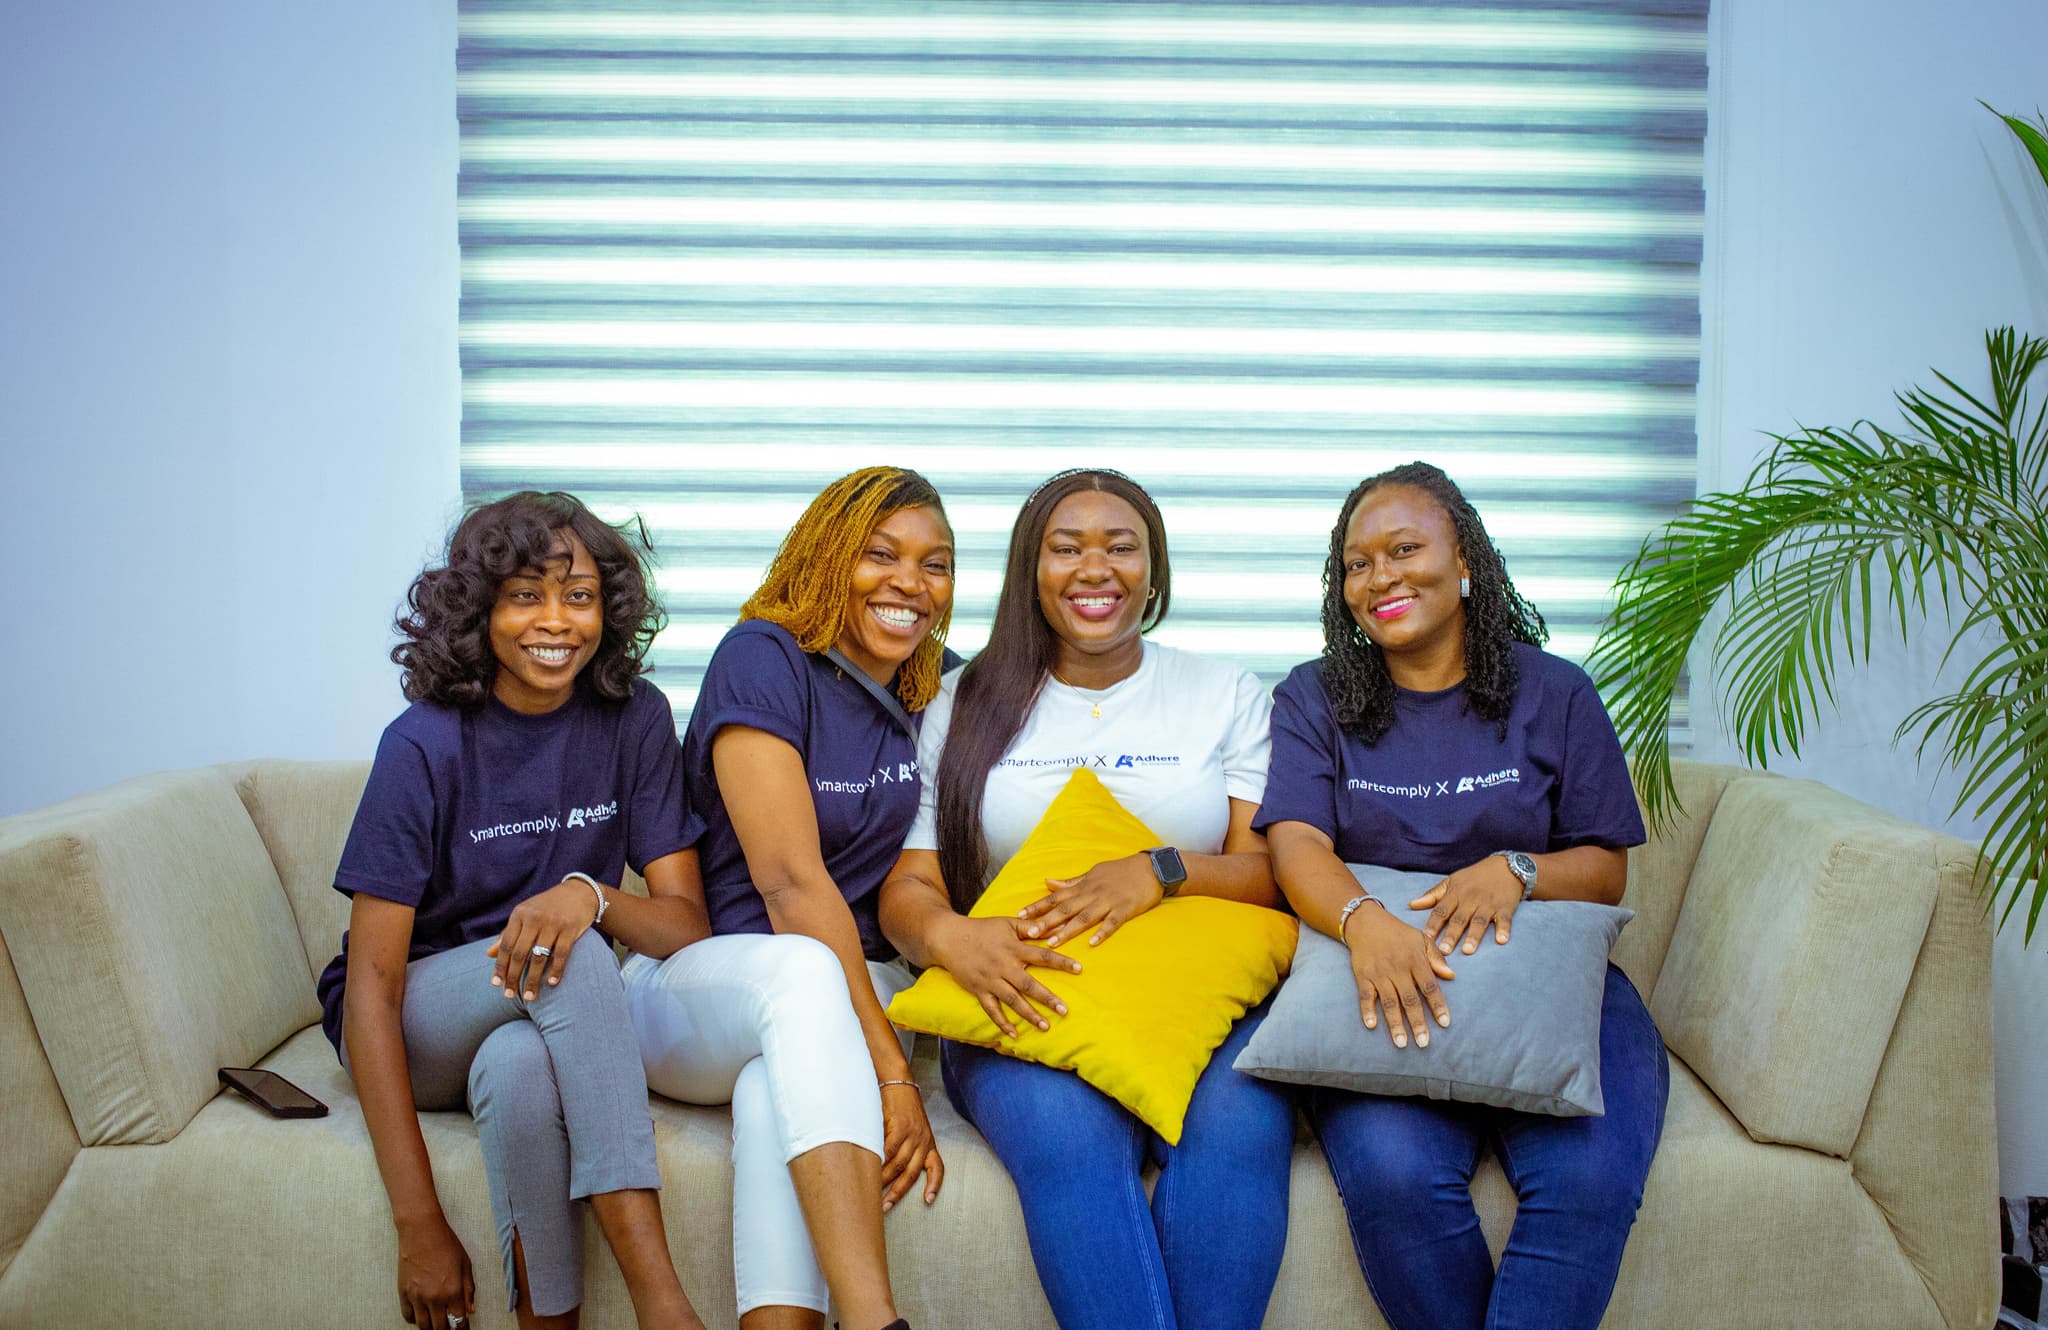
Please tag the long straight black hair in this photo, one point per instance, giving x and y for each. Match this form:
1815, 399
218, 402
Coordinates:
1000, 685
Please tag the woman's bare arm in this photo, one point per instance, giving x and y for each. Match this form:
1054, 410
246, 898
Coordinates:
433, 1269
769, 799
670, 917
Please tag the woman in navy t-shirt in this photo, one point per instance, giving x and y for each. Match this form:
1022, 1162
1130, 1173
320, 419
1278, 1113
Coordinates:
503, 806
801, 759
1434, 735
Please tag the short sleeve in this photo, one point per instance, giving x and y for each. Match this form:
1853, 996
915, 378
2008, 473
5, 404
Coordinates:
659, 822
756, 678
390, 849
1301, 782
1248, 742
1596, 802
931, 741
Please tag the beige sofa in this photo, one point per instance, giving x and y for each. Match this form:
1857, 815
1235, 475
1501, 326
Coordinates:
1820, 972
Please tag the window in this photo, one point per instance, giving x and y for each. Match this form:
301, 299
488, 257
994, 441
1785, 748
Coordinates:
714, 256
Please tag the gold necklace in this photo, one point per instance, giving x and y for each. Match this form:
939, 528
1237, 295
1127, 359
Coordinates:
1094, 708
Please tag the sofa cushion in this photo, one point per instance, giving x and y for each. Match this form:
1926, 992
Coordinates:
153, 944
1525, 1018
303, 810
1799, 931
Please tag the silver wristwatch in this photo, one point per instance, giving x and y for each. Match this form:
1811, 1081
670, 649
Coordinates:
1523, 866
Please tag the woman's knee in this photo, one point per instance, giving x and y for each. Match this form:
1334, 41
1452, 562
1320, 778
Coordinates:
803, 970
1376, 1158
512, 1076
1593, 1185
590, 956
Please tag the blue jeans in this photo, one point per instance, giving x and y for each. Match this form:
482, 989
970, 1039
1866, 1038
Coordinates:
1404, 1170
1204, 1254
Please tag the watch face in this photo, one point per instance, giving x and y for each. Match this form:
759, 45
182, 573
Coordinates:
1167, 866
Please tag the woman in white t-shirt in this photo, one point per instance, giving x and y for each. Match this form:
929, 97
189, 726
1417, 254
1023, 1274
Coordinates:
1181, 740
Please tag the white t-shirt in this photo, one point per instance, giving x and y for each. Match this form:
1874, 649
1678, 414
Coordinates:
1175, 743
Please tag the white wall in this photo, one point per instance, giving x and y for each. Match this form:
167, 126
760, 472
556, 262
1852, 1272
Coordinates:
229, 392
228, 383
1867, 220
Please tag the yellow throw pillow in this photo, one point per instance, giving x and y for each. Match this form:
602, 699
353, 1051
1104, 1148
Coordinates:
1150, 1004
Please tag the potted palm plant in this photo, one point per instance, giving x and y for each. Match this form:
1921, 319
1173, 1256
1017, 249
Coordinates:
1839, 533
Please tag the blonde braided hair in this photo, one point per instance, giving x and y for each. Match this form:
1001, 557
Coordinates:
811, 577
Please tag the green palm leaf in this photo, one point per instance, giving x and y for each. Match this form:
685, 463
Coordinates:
1839, 533
2034, 135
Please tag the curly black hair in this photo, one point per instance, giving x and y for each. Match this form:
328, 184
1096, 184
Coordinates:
446, 652
1496, 617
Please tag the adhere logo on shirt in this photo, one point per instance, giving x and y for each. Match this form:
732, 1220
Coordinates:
580, 817
1505, 776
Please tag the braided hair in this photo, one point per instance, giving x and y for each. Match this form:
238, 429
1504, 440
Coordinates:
808, 583
1496, 617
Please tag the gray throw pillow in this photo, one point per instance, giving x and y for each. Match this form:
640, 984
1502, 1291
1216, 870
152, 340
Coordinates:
1525, 1018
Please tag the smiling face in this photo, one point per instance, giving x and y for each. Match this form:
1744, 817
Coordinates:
1094, 577
902, 585
545, 627
1401, 572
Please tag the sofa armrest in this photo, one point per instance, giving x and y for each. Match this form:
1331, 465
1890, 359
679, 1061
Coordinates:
36, 1125
1800, 930
1927, 1153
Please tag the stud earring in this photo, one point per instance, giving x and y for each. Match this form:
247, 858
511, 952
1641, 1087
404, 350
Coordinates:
1464, 588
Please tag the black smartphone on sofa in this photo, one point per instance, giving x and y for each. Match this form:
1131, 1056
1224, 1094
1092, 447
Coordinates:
272, 1093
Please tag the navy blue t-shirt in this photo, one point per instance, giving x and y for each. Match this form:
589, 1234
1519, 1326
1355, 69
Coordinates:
860, 760
1442, 790
469, 812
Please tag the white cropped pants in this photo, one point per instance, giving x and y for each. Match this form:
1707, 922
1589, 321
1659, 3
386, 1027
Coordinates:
763, 1021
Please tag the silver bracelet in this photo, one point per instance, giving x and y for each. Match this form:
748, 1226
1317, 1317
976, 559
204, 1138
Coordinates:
883, 1085
603, 902
1350, 906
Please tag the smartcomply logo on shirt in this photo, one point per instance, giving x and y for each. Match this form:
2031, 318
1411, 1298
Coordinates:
532, 826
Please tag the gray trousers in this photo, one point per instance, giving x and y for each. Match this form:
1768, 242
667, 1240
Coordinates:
557, 1091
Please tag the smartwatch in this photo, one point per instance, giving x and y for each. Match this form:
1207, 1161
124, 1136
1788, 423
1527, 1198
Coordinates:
1167, 867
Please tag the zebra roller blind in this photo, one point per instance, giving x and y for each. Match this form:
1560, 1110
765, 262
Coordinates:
715, 255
